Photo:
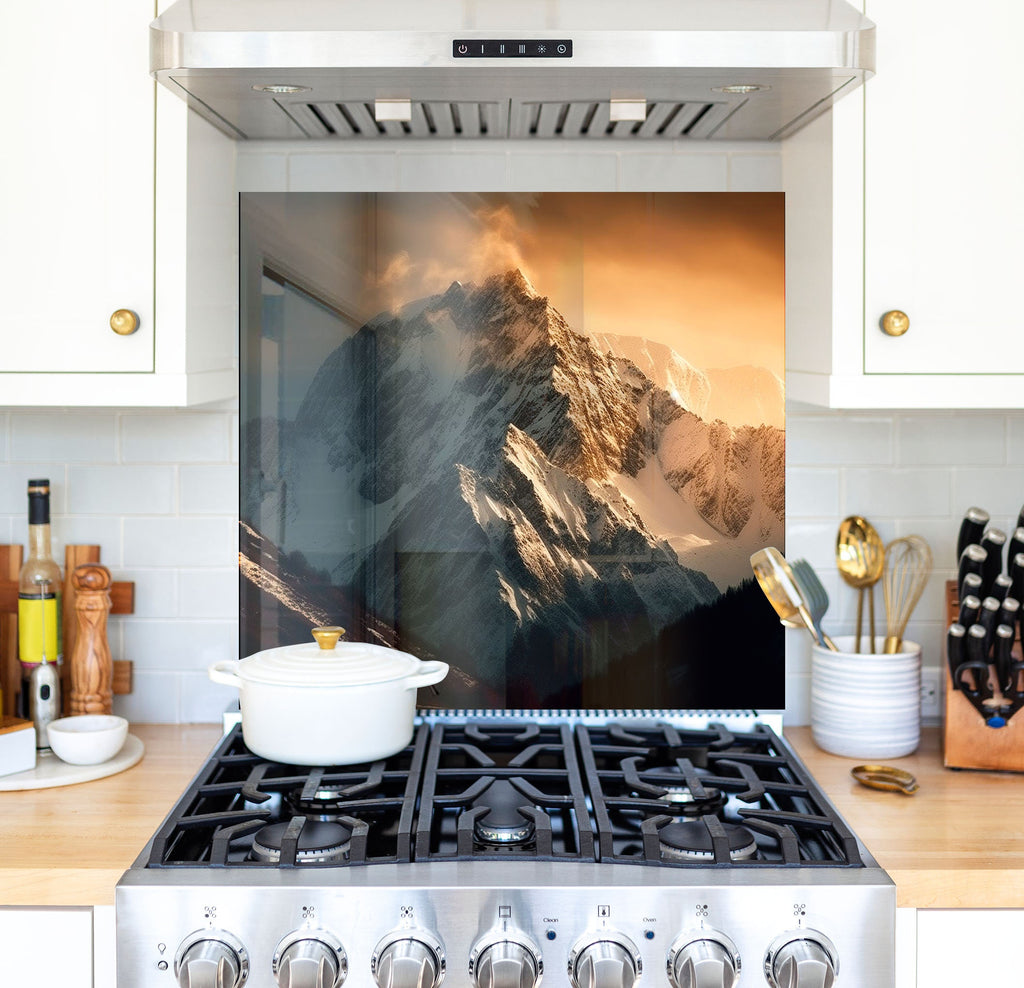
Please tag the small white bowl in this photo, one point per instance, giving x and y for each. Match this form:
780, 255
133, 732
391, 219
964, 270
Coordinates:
87, 739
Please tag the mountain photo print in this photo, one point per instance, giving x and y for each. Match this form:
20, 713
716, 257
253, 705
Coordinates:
534, 435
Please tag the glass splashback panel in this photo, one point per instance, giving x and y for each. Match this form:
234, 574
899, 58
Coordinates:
537, 436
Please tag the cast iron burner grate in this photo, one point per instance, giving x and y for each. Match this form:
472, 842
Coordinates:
634, 774
505, 790
237, 794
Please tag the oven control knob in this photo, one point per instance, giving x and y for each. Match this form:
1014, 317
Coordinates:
704, 960
211, 959
608, 960
410, 959
505, 961
310, 959
801, 959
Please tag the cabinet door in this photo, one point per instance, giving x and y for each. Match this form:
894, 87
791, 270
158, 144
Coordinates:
43, 946
944, 205
954, 947
76, 185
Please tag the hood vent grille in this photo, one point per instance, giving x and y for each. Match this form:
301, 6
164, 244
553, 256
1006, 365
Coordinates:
574, 119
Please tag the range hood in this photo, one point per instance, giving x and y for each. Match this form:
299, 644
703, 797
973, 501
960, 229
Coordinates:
521, 69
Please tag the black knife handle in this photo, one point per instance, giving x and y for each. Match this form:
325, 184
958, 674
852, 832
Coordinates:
1020, 518
993, 542
1001, 587
1017, 575
1016, 545
956, 653
1002, 661
972, 560
977, 659
988, 618
973, 524
1009, 612
977, 644
970, 608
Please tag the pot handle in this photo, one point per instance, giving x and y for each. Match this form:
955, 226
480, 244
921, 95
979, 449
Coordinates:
224, 673
430, 673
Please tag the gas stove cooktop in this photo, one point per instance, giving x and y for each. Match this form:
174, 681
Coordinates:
492, 852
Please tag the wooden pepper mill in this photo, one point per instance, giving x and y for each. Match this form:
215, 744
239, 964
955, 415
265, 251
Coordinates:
92, 670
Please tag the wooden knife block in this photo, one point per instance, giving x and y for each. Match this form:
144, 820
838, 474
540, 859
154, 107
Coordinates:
122, 596
967, 741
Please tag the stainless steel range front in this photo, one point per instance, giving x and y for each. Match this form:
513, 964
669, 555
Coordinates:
501, 851
536, 436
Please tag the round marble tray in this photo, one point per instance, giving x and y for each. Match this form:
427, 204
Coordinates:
50, 771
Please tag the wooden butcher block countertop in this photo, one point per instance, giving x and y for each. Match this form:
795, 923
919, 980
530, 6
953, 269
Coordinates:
958, 843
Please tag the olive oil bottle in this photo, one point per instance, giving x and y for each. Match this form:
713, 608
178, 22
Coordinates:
39, 594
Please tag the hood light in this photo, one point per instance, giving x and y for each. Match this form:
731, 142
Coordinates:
741, 89
280, 90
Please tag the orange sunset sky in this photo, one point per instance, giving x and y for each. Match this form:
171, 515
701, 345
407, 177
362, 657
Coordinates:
701, 272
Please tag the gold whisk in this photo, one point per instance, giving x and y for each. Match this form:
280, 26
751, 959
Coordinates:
908, 564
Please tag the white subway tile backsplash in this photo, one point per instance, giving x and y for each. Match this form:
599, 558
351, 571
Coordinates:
999, 490
173, 437
180, 542
156, 591
119, 489
939, 440
341, 172
568, 171
813, 492
211, 593
14, 478
155, 698
443, 172
648, 172
897, 493
80, 437
209, 490
839, 440
203, 701
178, 645
101, 530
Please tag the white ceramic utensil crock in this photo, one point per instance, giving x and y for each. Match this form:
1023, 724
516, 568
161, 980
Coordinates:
328, 703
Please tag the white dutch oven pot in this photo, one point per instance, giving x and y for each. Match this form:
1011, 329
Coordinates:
327, 703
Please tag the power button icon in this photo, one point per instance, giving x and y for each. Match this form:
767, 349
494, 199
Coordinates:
463, 49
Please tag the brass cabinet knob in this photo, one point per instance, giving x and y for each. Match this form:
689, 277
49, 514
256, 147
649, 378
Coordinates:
124, 322
895, 323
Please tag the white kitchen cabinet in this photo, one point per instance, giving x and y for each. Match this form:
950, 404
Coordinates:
46, 946
98, 216
906, 198
969, 947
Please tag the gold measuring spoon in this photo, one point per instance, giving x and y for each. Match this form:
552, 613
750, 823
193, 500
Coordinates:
860, 559
885, 777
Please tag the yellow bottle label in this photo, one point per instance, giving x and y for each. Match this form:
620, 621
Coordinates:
38, 625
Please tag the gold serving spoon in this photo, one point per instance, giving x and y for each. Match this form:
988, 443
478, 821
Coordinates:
783, 592
860, 559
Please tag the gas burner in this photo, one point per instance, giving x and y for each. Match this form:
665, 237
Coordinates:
682, 802
502, 824
691, 841
327, 803
319, 843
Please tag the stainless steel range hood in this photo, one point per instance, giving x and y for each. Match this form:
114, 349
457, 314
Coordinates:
498, 69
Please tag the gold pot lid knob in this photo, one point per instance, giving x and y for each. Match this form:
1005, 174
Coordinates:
327, 637
895, 323
124, 322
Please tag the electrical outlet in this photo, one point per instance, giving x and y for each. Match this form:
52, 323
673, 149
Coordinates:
931, 694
